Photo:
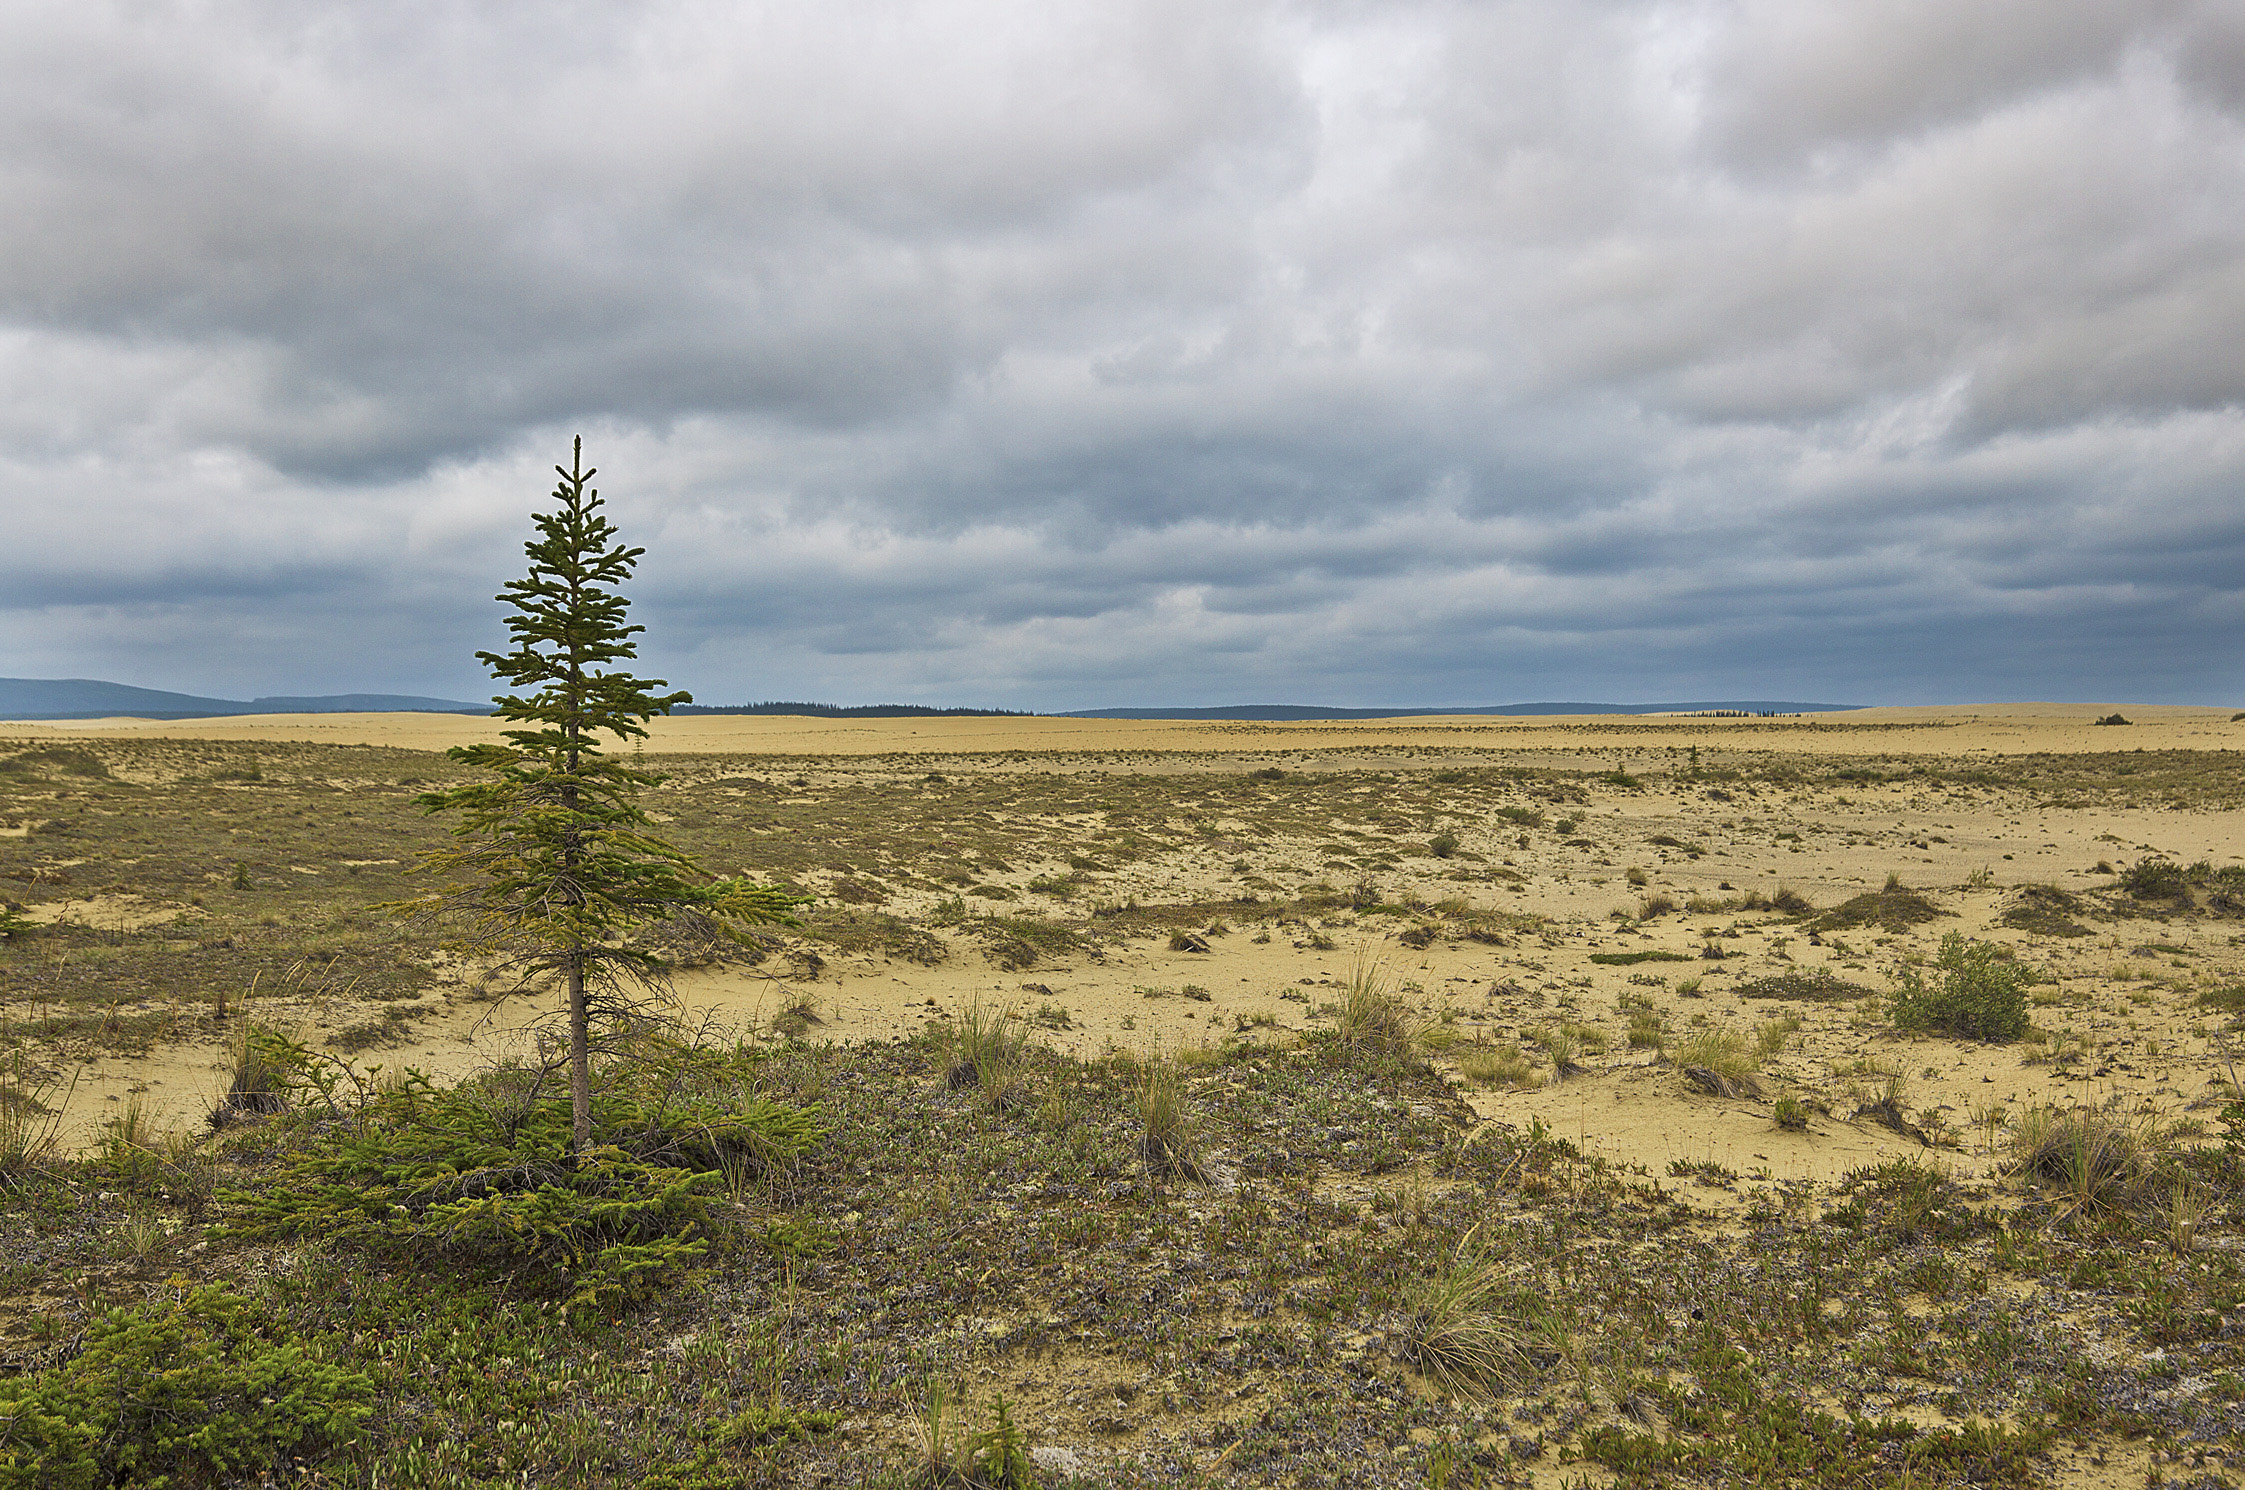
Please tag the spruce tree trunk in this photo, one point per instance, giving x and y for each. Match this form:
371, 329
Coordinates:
580, 1065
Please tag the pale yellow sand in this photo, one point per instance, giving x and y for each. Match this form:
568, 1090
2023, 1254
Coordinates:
2001, 729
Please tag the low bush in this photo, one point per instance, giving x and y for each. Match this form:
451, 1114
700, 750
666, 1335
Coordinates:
198, 1389
2045, 910
1816, 985
1973, 995
1895, 908
2155, 879
479, 1175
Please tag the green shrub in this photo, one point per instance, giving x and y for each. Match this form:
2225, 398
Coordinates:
2155, 879
199, 1389
481, 1175
1974, 994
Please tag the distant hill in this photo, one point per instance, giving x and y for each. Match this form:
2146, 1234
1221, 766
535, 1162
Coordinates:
854, 711
1311, 711
89, 698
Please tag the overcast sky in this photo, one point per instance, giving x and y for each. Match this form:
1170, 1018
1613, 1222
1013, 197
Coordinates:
1058, 355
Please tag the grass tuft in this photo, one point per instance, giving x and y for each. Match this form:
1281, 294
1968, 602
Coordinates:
1721, 1062
988, 1051
30, 1121
1168, 1140
258, 1078
2094, 1161
1371, 1019
1454, 1330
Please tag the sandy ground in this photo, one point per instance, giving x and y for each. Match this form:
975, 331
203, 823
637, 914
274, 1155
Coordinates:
2125, 995
1959, 730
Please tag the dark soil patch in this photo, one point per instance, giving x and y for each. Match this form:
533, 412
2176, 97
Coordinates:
2045, 910
1894, 910
1816, 985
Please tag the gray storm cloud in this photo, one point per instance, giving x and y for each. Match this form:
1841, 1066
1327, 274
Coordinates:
1049, 355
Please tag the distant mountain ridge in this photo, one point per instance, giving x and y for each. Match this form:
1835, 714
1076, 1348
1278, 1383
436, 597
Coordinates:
855, 711
1281, 712
90, 698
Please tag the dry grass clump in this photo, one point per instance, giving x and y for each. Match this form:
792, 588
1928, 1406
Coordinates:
2093, 1161
1648, 1030
2181, 1210
258, 1080
1455, 1330
1167, 1140
29, 1124
1722, 1062
1787, 901
1558, 1043
989, 1047
1499, 1066
1770, 1038
1372, 1019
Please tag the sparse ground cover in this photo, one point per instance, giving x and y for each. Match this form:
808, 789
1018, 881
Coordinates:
1431, 1192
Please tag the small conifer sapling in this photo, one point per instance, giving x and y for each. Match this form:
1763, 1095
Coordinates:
553, 867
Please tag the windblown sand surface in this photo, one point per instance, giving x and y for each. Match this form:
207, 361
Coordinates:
2123, 1002
1953, 730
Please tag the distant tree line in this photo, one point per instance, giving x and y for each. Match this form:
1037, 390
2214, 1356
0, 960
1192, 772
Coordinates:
853, 711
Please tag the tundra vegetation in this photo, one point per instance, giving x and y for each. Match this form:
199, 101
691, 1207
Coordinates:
1304, 1252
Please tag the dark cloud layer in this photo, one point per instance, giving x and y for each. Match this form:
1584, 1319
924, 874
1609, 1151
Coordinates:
1059, 355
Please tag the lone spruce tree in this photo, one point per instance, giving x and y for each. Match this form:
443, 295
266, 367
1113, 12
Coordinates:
555, 868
